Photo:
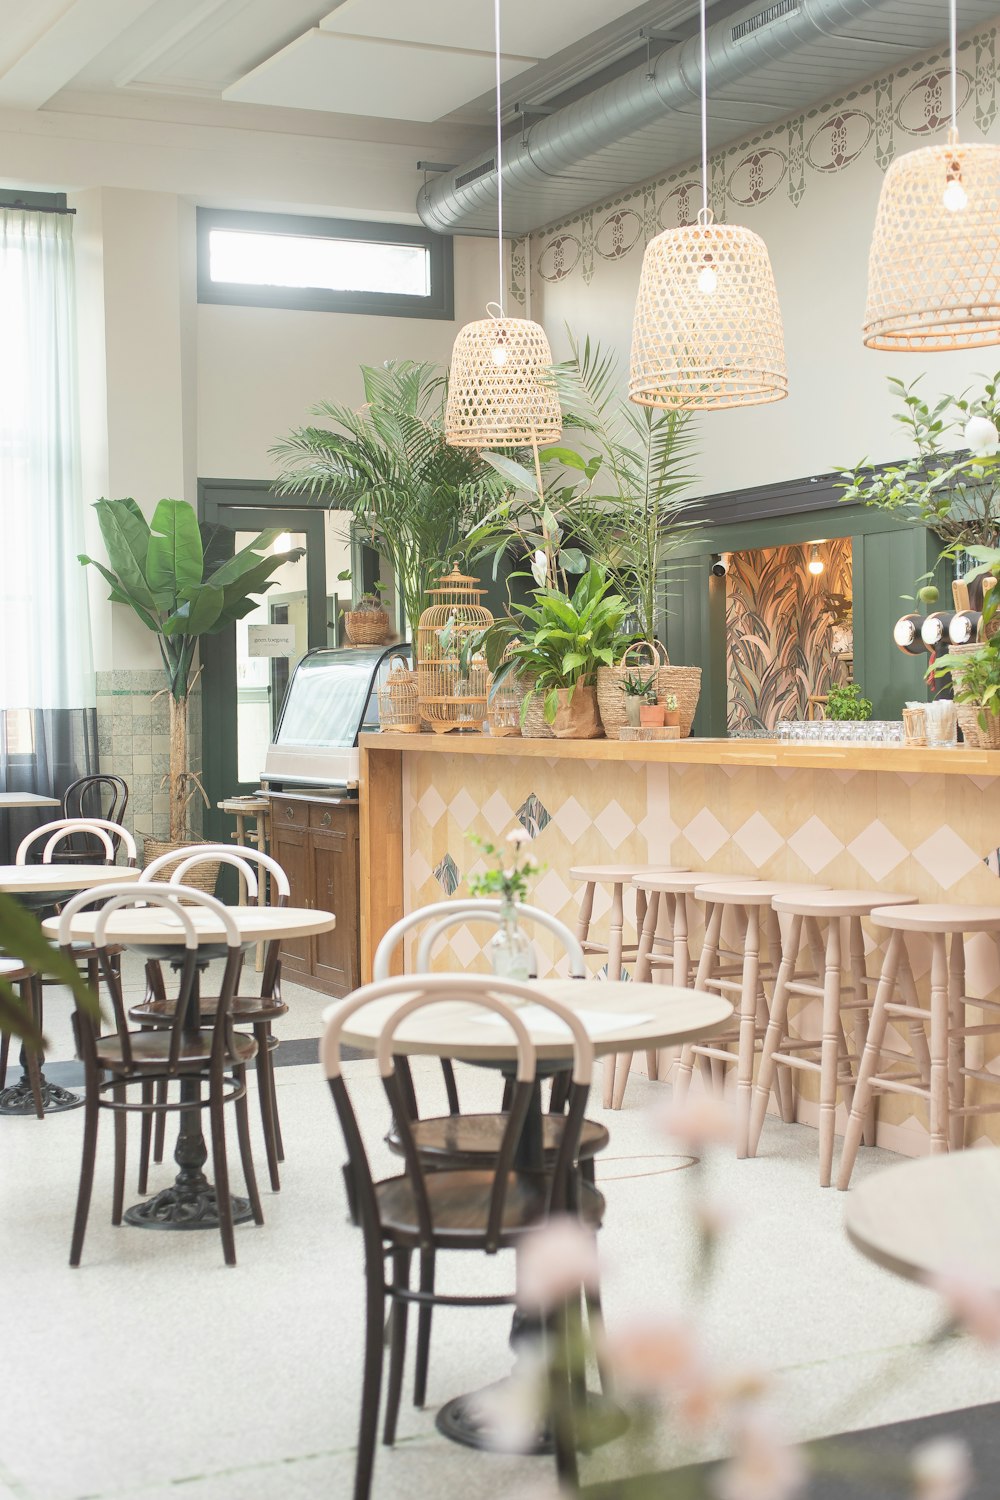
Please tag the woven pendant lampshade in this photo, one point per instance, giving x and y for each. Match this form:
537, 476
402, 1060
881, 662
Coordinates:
707, 332
934, 265
501, 393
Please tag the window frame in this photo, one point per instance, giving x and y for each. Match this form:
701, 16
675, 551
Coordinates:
439, 304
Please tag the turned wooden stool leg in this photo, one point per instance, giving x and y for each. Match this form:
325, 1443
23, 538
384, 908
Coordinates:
748, 1027
641, 903
859, 983
706, 969
676, 910
774, 1034
956, 1043
830, 1051
869, 1062
918, 1035
939, 1043
642, 975
783, 1083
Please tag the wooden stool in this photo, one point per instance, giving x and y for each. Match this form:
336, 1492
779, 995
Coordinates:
835, 1064
664, 894
745, 976
943, 1086
617, 950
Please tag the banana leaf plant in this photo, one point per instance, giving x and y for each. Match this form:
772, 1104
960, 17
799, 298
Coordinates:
157, 568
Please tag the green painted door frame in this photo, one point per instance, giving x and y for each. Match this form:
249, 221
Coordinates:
889, 555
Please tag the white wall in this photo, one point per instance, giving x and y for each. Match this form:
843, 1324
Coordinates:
838, 410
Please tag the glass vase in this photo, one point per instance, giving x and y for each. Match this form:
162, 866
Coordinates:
509, 948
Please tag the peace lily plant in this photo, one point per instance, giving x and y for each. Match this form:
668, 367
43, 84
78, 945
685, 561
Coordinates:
157, 568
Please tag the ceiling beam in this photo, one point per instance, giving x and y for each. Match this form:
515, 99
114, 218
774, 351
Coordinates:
82, 30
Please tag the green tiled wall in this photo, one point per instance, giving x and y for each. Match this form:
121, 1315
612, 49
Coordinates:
133, 741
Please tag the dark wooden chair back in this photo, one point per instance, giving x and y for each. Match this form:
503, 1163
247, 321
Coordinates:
189, 956
415, 993
104, 797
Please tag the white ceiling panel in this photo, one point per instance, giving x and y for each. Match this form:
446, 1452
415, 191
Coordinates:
535, 28
66, 41
367, 76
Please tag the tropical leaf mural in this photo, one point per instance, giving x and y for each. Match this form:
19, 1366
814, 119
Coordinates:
779, 620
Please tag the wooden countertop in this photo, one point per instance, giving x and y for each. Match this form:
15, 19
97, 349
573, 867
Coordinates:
960, 761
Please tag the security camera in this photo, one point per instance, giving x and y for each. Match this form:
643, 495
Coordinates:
720, 564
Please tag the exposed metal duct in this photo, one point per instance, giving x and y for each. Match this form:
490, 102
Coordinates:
765, 63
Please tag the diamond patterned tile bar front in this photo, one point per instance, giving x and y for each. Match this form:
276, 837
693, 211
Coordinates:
934, 270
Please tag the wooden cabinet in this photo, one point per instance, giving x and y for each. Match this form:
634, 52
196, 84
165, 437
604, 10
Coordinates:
316, 843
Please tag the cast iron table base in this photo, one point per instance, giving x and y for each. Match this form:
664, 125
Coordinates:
19, 1100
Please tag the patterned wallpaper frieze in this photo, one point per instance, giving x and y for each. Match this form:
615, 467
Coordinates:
873, 123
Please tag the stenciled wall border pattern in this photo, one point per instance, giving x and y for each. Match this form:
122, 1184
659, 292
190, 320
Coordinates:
874, 121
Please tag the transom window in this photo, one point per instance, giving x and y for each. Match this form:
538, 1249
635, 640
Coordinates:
333, 265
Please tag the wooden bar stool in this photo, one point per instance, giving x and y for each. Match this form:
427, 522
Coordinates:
617, 950
665, 895
835, 1063
944, 1088
745, 974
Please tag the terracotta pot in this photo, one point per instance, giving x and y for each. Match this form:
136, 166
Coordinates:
651, 715
576, 716
672, 716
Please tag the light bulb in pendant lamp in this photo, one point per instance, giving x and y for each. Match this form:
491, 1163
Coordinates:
707, 332
815, 563
934, 264
501, 393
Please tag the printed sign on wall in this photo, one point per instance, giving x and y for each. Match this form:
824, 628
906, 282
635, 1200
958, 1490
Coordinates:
271, 640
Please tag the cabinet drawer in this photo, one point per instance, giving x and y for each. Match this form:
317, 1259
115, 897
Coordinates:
288, 814
331, 819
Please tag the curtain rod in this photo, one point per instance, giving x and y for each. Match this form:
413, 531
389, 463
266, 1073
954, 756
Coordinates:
31, 208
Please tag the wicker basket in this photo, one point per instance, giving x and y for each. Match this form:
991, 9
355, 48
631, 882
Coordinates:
914, 727
683, 682
203, 877
397, 699
366, 627
975, 736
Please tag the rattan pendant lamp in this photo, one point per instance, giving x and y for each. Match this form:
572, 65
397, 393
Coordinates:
707, 331
500, 392
934, 264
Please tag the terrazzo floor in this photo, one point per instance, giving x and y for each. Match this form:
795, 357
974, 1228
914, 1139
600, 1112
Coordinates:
154, 1371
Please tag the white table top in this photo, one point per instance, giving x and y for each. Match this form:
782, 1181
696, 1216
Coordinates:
26, 799
625, 1018
157, 925
938, 1214
22, 879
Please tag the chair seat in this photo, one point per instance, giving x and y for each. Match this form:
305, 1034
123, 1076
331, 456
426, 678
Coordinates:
924, 917
749, 892
679, 882
459, 1205
13, 970
468, 1137
245, 1009
151, 1049
820, 903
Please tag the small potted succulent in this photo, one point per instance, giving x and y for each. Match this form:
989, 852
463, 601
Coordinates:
638, 690
367, 623
672, 714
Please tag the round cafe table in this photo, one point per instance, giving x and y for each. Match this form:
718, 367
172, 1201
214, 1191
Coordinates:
154, 932
619, 1017
37, 887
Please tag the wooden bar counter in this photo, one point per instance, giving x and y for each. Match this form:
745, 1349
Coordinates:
921, 821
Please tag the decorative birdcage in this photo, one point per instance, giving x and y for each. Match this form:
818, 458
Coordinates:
505, 703
398, 712
453, 681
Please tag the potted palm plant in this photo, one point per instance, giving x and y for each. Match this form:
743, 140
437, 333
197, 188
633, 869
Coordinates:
157, 568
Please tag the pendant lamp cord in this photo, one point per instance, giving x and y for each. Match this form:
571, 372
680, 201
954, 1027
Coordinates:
496, 38
704, 115
953, 37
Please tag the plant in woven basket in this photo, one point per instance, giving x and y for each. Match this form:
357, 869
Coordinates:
157, 568
422, 503
976, 678
951, 484
558, 641
846, 702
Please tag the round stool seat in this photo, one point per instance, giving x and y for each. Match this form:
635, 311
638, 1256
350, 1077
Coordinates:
734, 892
12, 969
615, 874
812, 903
677, 882
931, 918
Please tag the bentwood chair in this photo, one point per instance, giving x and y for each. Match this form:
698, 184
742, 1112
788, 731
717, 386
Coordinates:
257, 1011
103, 797
483, 1209
472, 1140
114, 1060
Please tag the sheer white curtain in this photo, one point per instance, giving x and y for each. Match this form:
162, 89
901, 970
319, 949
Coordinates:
47, 728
